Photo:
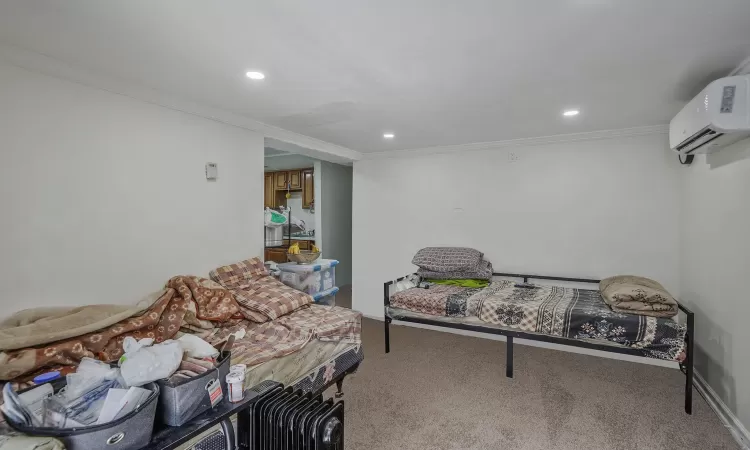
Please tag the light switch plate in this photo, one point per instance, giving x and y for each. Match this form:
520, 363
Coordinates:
212, 171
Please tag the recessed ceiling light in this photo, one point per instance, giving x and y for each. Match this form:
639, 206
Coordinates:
255, 75
571, 112
389, 135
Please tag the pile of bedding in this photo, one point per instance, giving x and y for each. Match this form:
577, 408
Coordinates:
452, 263
277, 320
450, 276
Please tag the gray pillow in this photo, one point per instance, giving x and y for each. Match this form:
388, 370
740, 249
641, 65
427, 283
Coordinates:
447, 259
481, 272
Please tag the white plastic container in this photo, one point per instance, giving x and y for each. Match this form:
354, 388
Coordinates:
235, 381
241, 368
309, 278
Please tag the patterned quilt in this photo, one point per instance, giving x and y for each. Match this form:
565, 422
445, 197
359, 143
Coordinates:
438, 300
578, 314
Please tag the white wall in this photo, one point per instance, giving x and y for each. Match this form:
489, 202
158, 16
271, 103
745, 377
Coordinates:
335, 209
104, 198
715, 268
589, 209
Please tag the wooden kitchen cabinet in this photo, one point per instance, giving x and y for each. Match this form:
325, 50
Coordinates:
277, 255
280, 180
308, 189
294, 177
269, 199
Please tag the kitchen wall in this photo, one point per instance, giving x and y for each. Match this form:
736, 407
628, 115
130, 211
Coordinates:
335, 209
589, 208
715, 267
104, 197
295, 202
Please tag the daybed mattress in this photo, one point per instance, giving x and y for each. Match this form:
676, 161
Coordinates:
549, 310
306, 364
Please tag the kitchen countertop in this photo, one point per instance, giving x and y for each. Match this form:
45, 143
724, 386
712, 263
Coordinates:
303, 238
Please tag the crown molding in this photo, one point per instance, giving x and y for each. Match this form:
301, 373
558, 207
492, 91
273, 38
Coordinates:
523, 142
742, 69
53, 67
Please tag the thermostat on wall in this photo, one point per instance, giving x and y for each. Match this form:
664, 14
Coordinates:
212, 171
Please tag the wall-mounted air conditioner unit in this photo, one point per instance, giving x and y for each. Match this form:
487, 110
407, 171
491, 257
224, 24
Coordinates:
718, 116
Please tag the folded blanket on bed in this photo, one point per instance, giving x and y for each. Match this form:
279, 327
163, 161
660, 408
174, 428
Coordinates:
437, 300
189, 302
452, 263
637, 295
260, 296
447, 259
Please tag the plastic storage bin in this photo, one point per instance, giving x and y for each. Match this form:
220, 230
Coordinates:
309, 278
327, 297
180, 402
132, 431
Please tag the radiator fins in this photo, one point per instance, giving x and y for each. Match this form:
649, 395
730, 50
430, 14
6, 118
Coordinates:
285, 419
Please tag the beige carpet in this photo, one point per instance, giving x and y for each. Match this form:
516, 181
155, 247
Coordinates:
439, 390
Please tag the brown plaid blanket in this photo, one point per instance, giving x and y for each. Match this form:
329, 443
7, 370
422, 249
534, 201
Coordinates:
288, 334
190, 302
260, 296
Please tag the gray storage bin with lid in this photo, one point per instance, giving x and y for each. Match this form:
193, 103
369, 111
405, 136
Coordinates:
132, 431
181, 401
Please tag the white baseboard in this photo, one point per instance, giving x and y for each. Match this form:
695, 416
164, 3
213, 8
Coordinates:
727, 417
519, 341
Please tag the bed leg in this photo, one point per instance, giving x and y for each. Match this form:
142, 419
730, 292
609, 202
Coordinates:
387, 335
339, 388
689, 363
509, 357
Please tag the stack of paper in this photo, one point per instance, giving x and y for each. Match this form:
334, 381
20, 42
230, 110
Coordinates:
120, 402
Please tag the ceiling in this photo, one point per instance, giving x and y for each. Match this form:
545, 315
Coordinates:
433, 73
270, 151
286, 162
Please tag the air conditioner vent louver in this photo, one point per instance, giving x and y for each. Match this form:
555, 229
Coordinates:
699, 140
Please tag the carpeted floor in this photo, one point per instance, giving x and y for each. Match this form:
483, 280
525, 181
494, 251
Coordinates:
438, 390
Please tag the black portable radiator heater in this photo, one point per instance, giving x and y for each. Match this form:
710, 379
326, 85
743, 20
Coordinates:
287, 419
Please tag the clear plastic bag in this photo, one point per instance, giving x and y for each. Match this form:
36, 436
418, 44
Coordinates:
196, 347
89, 374
143, 362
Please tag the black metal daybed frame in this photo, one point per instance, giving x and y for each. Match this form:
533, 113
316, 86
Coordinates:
686, 366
